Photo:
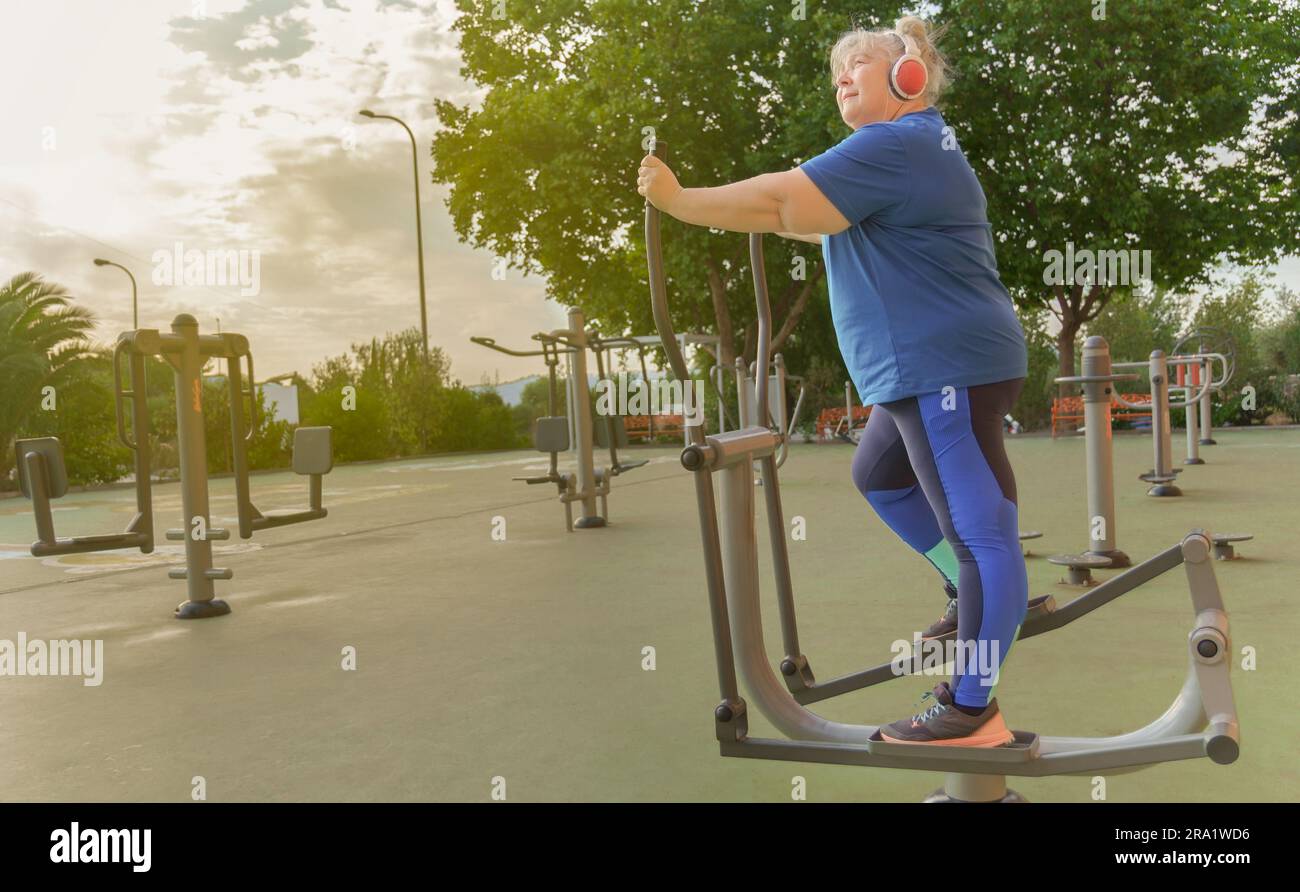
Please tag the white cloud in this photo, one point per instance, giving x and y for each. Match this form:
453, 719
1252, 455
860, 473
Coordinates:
238, 129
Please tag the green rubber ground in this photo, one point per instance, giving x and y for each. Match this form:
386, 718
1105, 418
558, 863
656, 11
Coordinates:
522, 659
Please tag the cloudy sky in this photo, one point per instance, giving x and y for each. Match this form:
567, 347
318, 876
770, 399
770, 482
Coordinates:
231, 125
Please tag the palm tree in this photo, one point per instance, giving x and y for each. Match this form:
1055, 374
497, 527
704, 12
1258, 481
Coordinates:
43, 337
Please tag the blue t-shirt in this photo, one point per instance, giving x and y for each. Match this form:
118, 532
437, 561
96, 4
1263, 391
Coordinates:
915, 293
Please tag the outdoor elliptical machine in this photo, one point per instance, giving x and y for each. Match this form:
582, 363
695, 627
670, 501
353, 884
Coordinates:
1201, 721
556, 433
43, 476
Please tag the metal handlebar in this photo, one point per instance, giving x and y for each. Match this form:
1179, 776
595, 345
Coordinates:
621, 342
1197, 359
764, 310
798, 407
1188, 399
784, 449
552, 339
1127, 405
252, 394
659, 295
1213, 334
1094, 379
491, 344
1224, 364
119, 395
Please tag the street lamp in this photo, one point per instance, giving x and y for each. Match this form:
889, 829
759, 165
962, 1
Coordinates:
419, 235
135, 311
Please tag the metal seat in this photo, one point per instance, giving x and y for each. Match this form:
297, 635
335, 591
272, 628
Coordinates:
1025, 536
1080, 567
1223, 550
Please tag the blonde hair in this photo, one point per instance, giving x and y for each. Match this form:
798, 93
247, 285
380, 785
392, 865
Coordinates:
887, 44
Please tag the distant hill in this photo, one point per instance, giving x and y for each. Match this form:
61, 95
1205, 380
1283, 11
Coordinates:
511, 392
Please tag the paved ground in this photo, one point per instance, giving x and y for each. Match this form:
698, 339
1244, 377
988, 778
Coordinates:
522, 659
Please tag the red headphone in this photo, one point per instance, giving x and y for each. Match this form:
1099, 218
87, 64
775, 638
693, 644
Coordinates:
908, 76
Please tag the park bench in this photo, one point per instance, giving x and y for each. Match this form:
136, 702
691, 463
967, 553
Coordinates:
1067, 411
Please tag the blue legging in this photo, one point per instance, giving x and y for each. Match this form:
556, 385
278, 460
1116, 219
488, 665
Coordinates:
934, 468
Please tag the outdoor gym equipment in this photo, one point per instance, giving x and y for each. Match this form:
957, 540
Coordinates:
1209, 340
1099, 394
1097, 382
43, 476
848, 428
557, 433
1201, 721
611, 433
747, 401
642, 344
1162, 475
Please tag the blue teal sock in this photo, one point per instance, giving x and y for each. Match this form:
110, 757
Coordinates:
943, 559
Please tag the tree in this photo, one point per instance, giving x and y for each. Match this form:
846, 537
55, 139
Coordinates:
1135, 323
1236, 310
43, 341
543, 172
1280, 342
85, 423
1166, 126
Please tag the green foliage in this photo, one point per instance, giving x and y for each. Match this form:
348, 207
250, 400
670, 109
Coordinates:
1162, 126
384, 401
1165, 126
1266, 348
542, 170
534, 403
824, 389
1033, 408
1277, 394
1279, 343
81, 416
43, 338
271, 443
1135, 323
472, 420
360, 433
1237, 310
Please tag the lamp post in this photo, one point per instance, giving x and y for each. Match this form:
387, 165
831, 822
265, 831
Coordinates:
419, 235
135, 310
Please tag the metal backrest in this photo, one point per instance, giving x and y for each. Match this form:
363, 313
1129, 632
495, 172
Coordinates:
55, 473
552, 434
312, 452
620, 431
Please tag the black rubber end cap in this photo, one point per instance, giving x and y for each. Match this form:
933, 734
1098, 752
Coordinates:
202, 609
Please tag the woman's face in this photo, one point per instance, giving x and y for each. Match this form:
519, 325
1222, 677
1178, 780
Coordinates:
862, 91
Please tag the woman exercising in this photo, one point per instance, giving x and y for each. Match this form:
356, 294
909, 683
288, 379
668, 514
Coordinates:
928, 333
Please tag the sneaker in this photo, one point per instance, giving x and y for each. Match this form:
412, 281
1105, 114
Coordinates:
945, 725
946, 623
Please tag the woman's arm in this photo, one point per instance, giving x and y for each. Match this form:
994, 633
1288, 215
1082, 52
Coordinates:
812, 239
770, 202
